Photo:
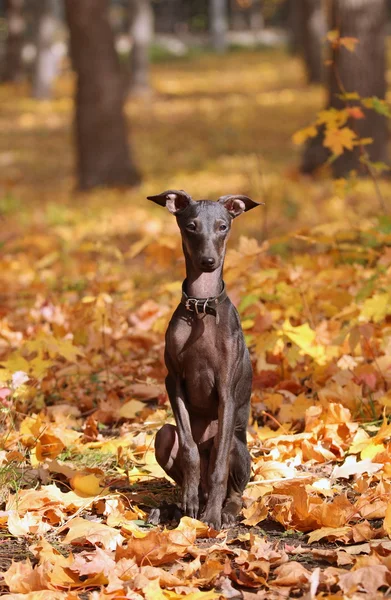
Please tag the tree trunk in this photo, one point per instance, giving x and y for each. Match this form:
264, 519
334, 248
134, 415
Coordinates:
256, 17
103, 157
237, 17
294, 25
47, 62
313, 31
308, 28
219, 24
16, 25
141, 32
362, 71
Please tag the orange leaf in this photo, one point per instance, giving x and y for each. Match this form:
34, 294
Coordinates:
387, 521
339, 139
355, 112
349, 43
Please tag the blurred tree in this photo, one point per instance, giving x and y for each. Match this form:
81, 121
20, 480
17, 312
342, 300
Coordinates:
256, 17
141, 32
362, 71
16, 26
103, 156
218, 24
47, 61
310, 21
246, 14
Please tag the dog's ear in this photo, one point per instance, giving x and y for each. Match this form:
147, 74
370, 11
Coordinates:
236, 204
175, 200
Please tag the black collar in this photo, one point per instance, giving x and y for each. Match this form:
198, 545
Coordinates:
202, 306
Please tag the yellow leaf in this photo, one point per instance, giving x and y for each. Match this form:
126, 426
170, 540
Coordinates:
372, 450
332, 117
129, 409
303, 134
30, 429
338, 139
365, 141
333, 35
247, 324
377, 308
16, 362
87, 485
304, 337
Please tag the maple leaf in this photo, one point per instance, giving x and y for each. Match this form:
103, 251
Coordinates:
339, 139
352, 467
162, 546
93, 563
27, 525
80, 530
355, 112
256, 513
369, 579
376, 308
332, 118
349, 43
22, 578
291, 573
87, 484
342, 534
305, 338
302, 135
387, 520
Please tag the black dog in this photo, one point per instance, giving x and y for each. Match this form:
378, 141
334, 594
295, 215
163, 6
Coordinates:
209, 370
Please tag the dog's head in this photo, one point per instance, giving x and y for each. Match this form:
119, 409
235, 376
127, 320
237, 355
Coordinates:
204, 224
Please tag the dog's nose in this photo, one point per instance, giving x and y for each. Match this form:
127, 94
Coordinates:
208, 261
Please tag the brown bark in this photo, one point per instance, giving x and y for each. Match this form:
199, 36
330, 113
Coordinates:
103, 157
16, 25
308, 28
313, 31
362, 71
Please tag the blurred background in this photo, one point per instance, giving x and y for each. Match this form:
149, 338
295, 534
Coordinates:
104, 103
131, 97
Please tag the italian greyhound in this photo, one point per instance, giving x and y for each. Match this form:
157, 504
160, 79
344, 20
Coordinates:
209, 370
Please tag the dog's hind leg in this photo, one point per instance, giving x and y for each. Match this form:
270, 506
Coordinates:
239, 474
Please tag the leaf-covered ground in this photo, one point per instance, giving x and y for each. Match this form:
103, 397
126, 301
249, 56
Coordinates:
88, 286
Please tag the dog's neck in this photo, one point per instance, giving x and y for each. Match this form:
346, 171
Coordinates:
203, 285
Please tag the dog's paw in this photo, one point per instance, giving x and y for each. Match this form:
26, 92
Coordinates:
230, 511
154, 516
212, 518
190, 503
166, 513
227, 520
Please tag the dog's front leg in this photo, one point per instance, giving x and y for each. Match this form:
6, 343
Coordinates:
188, 450
219, 476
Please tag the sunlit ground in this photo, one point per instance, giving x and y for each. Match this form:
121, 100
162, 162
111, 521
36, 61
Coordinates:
213, 126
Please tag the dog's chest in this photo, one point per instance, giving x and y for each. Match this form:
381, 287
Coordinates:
196, 344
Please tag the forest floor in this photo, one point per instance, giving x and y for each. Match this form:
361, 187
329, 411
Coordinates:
88, 285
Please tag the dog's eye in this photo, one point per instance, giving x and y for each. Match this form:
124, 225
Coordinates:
191, 227
223, 227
